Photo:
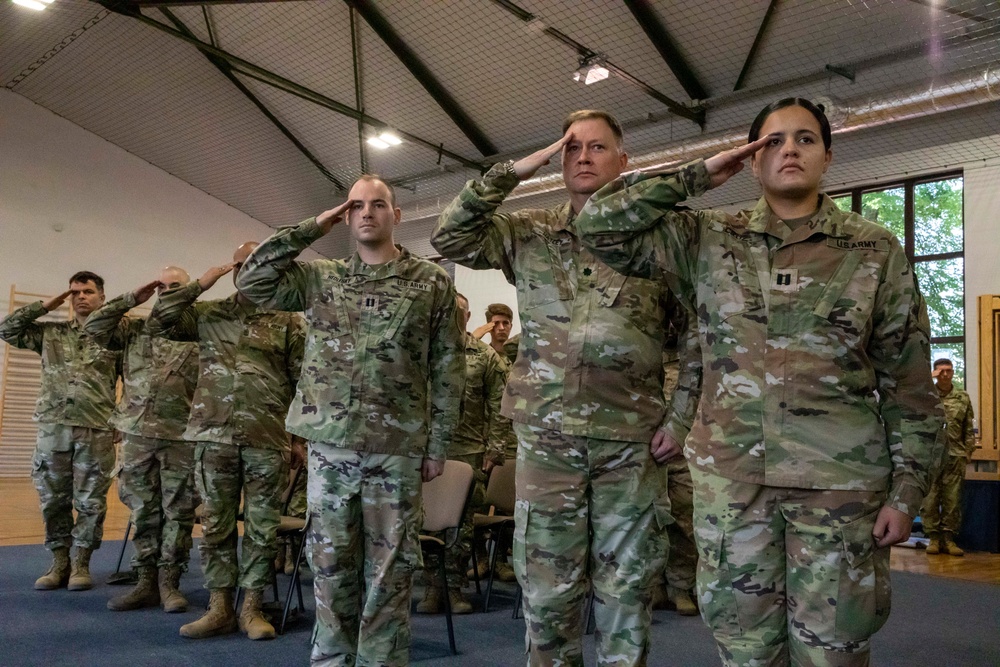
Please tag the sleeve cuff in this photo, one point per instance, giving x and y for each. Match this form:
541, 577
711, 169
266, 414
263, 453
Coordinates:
501, 177
905, 497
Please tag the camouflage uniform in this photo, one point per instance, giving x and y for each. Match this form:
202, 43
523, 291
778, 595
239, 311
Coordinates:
74, 453
157, 476
509, 357
586, 397
942, 509
481, 435
249, 363
798, 330
381, 391
682, 560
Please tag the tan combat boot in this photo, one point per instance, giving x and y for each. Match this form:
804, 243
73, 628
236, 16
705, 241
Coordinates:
682, 601
659, 597
252, 619
431, 604
504, 572
291, 556
279, 558
145, 593
220, 619
933, 544
459, 603
171, 598
950, 548
480, 569
58, 574
79, 574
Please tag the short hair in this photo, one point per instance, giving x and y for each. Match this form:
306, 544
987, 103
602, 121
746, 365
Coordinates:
459, 295
816, 110
376, 177
499, 309
596, 114
87, 276
943, 361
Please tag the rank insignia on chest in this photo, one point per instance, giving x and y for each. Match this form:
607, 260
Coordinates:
785, 280
369, 302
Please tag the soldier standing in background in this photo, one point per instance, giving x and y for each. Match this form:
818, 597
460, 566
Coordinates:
75, 452
586, 398
478, 441
157, 475
379, 402
803, 477
942, 509
249, 364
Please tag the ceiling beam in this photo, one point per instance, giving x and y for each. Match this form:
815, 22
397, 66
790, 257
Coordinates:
131, 10
377, 22
752, 54
651, 24
675, 107
226, 69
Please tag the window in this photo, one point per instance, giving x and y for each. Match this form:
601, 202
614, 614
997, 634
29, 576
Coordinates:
926, 215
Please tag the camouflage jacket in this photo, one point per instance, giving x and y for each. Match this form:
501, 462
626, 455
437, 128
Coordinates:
960, 418
588, 363
384, 364
798, 331
160, 375
482, 428
79, 376
249, 363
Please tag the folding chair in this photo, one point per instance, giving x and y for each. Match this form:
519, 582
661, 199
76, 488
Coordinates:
500, 496
444, 500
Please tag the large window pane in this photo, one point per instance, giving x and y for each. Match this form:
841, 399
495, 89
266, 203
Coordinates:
942, 284
937, 217
886, 207
955, 352
843, 202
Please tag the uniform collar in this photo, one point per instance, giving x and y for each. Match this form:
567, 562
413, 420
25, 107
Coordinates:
564, 219
827, 220
471, 342
356, 266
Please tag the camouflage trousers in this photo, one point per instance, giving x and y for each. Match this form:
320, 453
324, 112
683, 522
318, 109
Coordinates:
72, 469
456, 559
942, 508
589, 515
789, 576
363, 547
224, 473
682, 563
157, 484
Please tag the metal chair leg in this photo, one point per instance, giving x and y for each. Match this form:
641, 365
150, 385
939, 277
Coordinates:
296, 581
121, 554
493, 552
589, 629
447, 602
517, 603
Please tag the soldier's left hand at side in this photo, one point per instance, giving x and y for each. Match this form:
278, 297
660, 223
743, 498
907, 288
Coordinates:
891, 526
430, 469
663, 447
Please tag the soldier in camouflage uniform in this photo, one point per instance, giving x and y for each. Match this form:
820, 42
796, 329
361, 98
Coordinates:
75, 452
803, 475
157, 475
479, 441
942, 509
249, 363
586, 398
379, 401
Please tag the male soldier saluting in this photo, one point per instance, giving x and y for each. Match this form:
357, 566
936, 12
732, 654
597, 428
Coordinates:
803, 476
157, 476
75, 452
586, 398
249, 364
379, 401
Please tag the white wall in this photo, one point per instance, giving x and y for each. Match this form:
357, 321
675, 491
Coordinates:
482, 288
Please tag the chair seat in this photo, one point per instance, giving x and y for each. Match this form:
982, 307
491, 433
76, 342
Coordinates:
433, 540
483, 520
290, 524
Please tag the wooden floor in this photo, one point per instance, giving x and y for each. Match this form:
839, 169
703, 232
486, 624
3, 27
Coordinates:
21, 523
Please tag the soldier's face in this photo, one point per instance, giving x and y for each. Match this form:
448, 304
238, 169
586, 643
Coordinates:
372, 217
86, 297
240, 256
501, 328
944, 374
792, 163
171, 279
592, 159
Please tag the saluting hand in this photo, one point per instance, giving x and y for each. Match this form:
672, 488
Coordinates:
527, 166
213, 274
327, 219
482, 330
57, 301
727, 164
142, 294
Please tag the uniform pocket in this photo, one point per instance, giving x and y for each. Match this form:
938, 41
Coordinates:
864, 591
716, 597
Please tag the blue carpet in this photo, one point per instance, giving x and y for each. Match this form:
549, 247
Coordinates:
935, 622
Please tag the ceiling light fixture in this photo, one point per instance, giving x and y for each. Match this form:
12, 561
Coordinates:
384, 140
377, 143
31, 4
592, 69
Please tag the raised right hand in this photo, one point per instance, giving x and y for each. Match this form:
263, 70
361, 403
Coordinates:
57, 301
527, 166
213, 274
327, 219
482, 330
143, 293
725, 165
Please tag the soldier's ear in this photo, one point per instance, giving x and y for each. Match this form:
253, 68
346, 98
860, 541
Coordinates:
397, 215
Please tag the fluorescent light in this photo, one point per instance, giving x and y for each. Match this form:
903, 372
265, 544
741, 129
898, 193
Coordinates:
48, 2
589, 74
377, 143
390, 138
30, 4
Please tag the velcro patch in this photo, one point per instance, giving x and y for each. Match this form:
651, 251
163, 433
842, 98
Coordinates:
785, 280
881, 245
412, 284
